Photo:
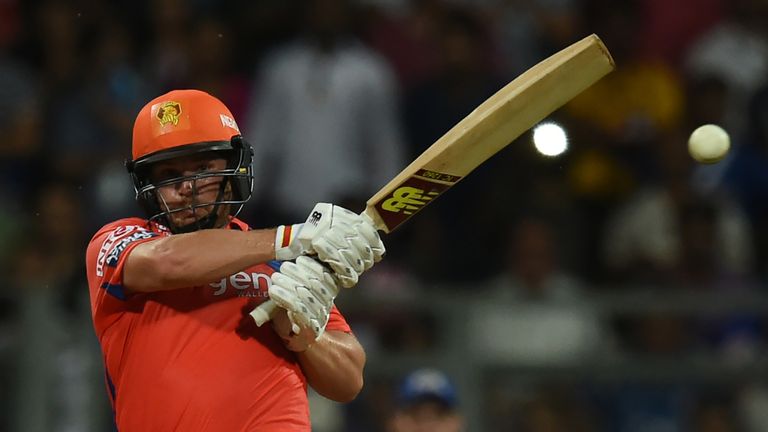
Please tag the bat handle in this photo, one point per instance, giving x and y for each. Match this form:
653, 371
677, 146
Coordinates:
264, 312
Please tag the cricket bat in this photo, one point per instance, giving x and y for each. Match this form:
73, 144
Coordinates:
493, 125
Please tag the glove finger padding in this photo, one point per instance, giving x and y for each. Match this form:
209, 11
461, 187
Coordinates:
324, 286
368, 232
340, 237
333, 256
334, 249
365, 227
312, 304
302, 280
286, 299
306, 289
283, 292
344, 215
363, 250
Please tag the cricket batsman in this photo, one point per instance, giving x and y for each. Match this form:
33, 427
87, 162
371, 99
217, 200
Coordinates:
171, 294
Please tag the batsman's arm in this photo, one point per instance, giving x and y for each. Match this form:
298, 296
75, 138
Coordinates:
333, 364
197, 258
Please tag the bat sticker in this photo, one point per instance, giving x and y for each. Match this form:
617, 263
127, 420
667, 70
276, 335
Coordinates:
413, 195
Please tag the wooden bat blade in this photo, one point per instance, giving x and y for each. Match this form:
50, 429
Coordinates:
493, 125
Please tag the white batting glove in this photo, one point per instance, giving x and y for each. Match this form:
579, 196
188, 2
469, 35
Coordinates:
346, 241
295, 240
306, 289
351, 246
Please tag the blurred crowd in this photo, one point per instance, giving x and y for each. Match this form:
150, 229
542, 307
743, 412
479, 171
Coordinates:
336, 96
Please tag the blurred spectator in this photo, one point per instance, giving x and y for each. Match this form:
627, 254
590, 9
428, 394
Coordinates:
533, 313
324, 123
618, 122
736, 51
550, 413
21, 105
462, 81
258, 27
715, 415
669, 28
114, 85
752, 407
58, 383
212, 66
427, 402
527, 31
746, 176
406, 34
10, 21
539, 405
659, 335
115, 91
167, 61
372, 410
643, 239
642, 98
532, 269
327, 415
706, 101
735, 337
700, 264
646, 407
20, 128
72, 133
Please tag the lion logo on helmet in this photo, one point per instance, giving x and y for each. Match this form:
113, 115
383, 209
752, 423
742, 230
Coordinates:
168, 113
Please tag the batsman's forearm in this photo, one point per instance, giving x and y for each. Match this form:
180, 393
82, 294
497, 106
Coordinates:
334, 366
185, 260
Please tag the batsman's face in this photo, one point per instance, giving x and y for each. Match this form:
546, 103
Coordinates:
193, 194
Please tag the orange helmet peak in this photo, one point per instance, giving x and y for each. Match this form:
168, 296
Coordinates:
179, 118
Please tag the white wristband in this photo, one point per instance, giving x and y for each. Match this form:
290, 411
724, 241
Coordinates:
285, 247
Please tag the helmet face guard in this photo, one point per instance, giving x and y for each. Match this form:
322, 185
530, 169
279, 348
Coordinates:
235, 189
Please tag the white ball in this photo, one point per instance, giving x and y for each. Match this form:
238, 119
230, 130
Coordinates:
709, 143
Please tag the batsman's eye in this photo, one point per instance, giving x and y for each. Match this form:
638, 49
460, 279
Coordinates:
165, 174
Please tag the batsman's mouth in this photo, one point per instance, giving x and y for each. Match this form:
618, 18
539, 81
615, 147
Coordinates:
191, 215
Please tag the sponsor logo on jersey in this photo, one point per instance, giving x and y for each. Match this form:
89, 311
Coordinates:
244, 284
115, 244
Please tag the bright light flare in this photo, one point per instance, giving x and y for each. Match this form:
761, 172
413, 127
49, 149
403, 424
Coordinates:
550, 139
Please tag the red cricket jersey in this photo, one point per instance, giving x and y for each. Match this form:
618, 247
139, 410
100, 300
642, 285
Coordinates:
191, 359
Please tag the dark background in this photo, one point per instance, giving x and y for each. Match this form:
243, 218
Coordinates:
656, 261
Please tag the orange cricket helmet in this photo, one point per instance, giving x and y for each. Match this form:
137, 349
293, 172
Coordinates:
182, 123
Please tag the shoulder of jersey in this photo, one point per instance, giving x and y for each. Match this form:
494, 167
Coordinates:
122, 222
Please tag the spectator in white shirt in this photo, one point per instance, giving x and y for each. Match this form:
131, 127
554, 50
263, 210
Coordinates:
324, 115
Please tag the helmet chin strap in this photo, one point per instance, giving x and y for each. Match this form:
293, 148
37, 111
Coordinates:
206, 222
